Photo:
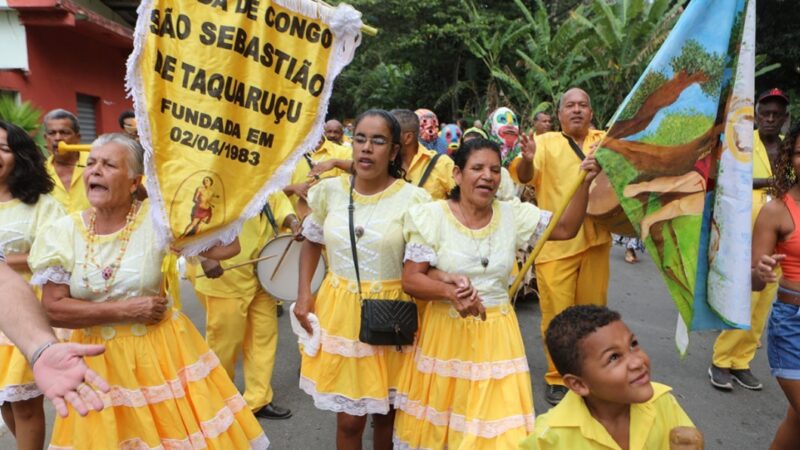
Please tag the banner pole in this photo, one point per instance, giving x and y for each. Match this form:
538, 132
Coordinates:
546, 235
366, 29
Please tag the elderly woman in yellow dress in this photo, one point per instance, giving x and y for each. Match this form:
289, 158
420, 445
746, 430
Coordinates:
469, 386
26, 208
101, 270
346, 376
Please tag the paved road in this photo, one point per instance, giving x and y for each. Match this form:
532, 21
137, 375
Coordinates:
741, 420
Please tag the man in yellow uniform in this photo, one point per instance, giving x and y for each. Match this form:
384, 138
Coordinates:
425, 168
573, 272
336, 158
240, 316
66, 168
734, 349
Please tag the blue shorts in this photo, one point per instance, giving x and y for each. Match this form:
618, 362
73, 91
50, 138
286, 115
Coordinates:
783, 341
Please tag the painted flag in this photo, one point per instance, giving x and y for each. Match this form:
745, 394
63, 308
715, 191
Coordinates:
228, 95
679, 157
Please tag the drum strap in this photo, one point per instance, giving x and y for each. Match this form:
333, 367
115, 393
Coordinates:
428, 170
575, 147
271, 218
310, 162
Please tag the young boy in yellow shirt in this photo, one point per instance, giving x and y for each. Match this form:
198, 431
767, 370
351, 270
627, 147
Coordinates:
611, 403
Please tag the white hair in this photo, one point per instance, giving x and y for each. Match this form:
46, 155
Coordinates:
134, 149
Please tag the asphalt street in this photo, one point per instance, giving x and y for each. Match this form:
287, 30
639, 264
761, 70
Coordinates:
741, 420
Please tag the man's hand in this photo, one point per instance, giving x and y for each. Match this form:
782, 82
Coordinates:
321, 167
63, 376
212, 268
528, 145
765, 269
590, 166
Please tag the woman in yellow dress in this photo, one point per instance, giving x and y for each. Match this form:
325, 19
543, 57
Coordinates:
346, 376
25, 209
101, 270
468, 386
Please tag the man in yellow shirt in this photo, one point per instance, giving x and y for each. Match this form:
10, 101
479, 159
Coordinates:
612, 404
332, 159
573, 272
66, 168
240, 316
734, 349
425, 168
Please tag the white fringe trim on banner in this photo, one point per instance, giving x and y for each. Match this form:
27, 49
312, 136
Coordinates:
344, 22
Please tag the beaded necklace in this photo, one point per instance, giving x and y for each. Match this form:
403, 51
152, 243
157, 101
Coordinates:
109, 272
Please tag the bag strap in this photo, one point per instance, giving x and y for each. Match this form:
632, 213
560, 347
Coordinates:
310, 162
271, 218
428, 170
350, 211
575, 147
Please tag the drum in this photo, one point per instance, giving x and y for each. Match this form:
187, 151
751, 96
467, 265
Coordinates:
280, 274
604, 207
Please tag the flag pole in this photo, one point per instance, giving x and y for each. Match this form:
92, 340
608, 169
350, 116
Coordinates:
546, 235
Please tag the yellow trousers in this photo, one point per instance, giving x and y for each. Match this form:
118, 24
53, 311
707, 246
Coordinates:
580, 279
734, 349
248, 326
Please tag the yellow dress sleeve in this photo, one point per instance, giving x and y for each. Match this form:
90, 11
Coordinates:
530, 221
281, 207
52, 255
318, 202
420, 231
48, 211
506, 190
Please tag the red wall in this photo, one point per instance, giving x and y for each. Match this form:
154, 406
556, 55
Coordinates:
64, 63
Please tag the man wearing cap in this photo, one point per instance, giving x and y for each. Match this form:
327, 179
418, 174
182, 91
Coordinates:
734, 349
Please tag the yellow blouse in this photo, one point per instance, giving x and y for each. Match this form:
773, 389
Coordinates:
59, 256
21, 224
329, 150
434, 235
74, 199
440, 181
381, 247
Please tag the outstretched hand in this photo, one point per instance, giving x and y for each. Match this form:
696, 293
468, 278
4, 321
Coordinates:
528, 145
63, 376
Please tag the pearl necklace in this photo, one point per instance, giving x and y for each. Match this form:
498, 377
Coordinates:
109, 273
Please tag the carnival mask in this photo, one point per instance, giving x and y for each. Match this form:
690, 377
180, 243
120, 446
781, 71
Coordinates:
428, 125
452, 135
505, 126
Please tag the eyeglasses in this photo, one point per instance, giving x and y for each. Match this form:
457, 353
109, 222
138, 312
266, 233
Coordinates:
377, 141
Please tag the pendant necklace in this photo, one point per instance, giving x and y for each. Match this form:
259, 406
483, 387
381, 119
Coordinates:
484, 260
359, 230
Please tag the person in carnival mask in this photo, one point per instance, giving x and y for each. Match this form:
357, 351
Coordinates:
429, 131
502, 126
452, 136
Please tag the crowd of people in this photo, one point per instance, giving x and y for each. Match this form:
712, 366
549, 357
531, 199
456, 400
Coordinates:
407, 217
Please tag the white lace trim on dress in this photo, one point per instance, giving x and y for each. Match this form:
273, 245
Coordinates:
420, 253
313, 231
469, 370
19, 392
337, 345
398, 444
339, 403
172, 389
544, 220
487, 429
52, 274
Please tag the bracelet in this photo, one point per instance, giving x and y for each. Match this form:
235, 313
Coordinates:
38, 353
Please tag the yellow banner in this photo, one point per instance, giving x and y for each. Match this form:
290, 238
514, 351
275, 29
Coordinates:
228, 95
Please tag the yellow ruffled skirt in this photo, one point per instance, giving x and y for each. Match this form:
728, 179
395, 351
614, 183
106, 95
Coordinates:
16, 377
468, 386
168, 390
347, 375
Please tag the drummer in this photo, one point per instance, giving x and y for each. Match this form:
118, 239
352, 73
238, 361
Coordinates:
333, 160
240, 316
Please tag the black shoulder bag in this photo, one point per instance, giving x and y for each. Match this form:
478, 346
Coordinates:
383, 322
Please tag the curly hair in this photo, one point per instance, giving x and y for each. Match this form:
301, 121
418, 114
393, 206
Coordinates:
784, 176
29, 179
569, 328
396, 165
461, 156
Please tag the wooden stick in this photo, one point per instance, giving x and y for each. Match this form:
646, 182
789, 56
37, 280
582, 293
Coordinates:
540, 243
280, 261
252, 261
368, 30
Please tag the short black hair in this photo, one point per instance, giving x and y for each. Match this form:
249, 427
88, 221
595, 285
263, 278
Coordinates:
29, 179
569, 328
408, 120
125, 115
536, 116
